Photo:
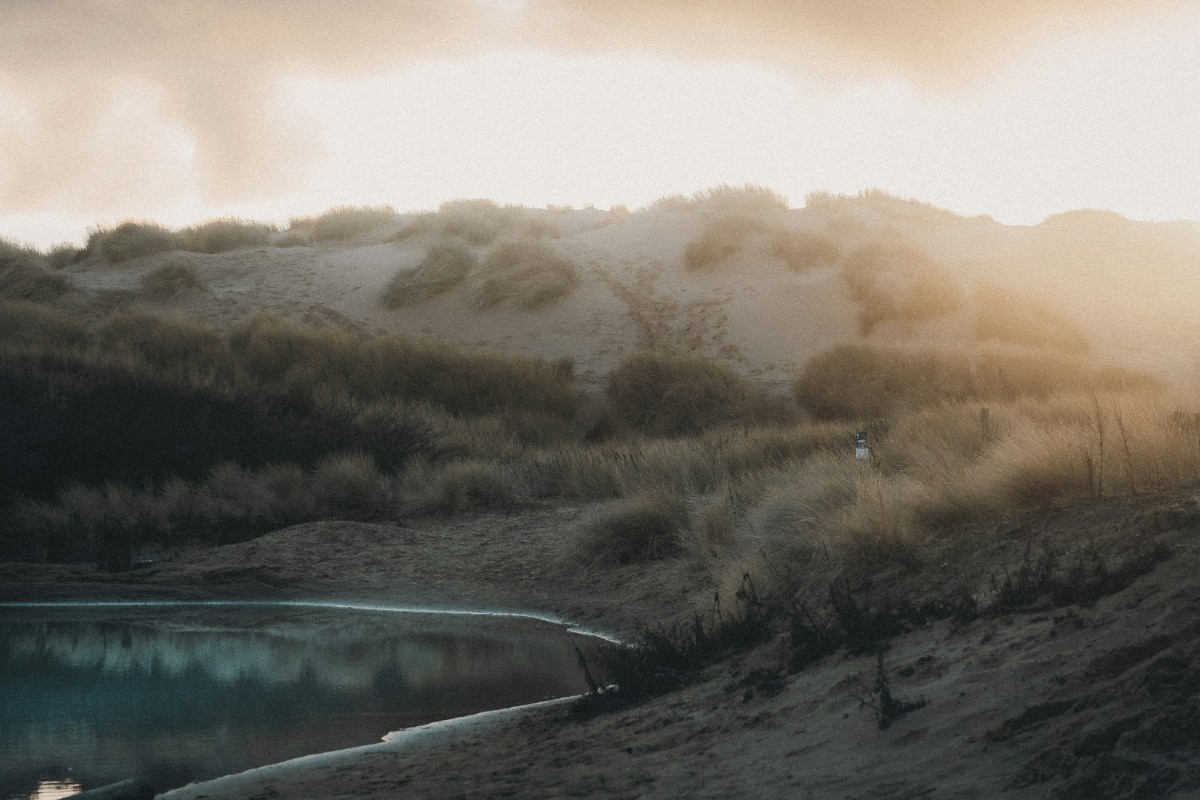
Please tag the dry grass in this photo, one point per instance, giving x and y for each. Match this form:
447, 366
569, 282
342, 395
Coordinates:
171, 281
64, 255
524, 276
23, 275
225, 234
898, 282
890, 206
1007, 315
747, 197
171, 345
645, 527
940, 468
32, 324
457, 486
443, 268
865, 382
132, 239
667, 395
803, 250
721, 239
477, 222
350, 485
342, 223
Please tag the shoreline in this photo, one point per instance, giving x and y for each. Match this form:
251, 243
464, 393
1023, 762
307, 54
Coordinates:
429, 735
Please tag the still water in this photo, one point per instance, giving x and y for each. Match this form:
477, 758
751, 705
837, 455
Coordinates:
94, 694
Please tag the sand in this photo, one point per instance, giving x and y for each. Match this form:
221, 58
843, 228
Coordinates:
1086, 700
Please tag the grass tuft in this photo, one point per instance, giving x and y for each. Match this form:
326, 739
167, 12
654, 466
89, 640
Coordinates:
900, 283
130, 240
23, 275
802, 250
525, 276
669, 395
225, 234
443, 268
171, 281
645, 527
721, 239
341, 223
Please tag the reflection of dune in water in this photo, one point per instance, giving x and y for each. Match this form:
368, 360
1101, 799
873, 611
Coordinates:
107, 691
346, 656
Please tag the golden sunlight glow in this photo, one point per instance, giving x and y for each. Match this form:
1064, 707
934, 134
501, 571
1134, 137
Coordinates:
1088, 120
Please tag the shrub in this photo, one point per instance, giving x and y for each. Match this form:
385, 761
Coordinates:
802, 250
524, 276
671, 395
346, 222
455, 487
646, 527
165, 343
721, 239
1010, 373
64, 255
443, 268
476, 222
670, 202
23, 275
171, 281
747, 197
863, 382
349, 484
898, 282
224, 234
1006, 315
25, 323
888, 205
131, 240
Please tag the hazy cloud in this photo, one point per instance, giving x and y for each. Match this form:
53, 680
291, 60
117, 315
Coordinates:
933, 42
111, 104
210, 66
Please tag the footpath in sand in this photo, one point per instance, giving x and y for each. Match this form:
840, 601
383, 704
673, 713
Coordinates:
1094, 700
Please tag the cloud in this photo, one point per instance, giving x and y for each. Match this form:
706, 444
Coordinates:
938, 43
208, 69
115, 105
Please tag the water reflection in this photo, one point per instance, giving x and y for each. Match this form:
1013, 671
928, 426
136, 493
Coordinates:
180, 693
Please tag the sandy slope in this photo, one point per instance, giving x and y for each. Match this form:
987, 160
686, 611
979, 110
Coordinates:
1131, 285
1090, 700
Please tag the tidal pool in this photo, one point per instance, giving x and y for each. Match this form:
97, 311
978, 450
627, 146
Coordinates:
91, 694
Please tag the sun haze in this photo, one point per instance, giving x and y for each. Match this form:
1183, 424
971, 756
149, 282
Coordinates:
181, 111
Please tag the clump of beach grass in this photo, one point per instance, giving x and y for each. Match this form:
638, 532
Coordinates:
443, 267
525, 276
171, 281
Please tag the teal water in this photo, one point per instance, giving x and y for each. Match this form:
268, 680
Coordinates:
93, 694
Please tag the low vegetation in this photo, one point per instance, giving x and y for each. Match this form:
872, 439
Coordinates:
667, 395
869, 382
170, 281
644, 527
442, 268
1006, 315
224, 234
129, 240
721, 239
342, 223
804, 250
525, 276
24, 275
897, 282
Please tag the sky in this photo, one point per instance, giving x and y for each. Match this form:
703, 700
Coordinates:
184, 110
